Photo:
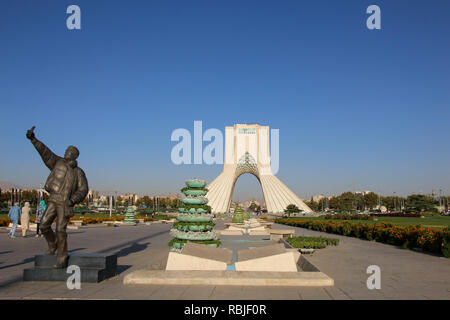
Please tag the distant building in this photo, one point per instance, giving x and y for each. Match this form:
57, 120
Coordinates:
363, 193
131, 198
92, 196
317, 198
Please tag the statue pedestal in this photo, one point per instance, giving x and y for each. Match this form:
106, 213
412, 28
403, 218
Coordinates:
94, 268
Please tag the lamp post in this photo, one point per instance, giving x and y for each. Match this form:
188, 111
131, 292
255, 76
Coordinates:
110, 205
395, 203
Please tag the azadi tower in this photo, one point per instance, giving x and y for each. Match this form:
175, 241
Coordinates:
247, 151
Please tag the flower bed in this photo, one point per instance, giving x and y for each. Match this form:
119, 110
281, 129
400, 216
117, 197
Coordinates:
89, 220
312, 242
4, 222
398, 214
406, 236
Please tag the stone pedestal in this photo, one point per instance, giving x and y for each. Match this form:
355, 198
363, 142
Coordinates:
94, 268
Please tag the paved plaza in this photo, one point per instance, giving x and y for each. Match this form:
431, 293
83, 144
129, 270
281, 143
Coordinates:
405, 274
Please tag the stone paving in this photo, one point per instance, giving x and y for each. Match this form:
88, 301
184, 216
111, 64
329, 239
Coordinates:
405, 274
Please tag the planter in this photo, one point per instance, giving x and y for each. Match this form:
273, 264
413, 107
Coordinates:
194, 200
196, 183
194, 192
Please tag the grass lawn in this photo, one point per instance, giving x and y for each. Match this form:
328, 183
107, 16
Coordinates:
428, 221
435, 222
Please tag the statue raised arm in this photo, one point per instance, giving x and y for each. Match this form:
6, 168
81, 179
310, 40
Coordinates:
67, 186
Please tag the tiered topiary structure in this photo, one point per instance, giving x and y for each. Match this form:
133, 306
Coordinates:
129, 216
194, 221
238, 216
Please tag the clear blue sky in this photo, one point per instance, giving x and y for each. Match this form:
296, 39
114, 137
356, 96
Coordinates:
357, 109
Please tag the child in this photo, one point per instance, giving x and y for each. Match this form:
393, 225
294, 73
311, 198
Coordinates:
39, 214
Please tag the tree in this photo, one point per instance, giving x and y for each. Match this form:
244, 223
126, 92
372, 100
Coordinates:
370, 200
388, 202
253, 206
313, 205
420, 203
292, 208
147, 201
139, 203
335, 203
119, 202
347, 201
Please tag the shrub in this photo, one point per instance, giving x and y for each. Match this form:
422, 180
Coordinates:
311, 242
347, 217
398, 214
183, 242
91, 220
4, 222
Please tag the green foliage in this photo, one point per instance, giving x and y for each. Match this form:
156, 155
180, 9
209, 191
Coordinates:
145, 211
196, 206
292, 208
370, 200
445, 246
181, 223
254, 207
407, 236
420, 203
183, 242
347, 217
238, 216
350, 202
313, 205
81, 210
192, 188
312, 242
144, 201
185, 226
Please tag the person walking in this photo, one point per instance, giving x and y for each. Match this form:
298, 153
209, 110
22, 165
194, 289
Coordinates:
39, 214
25, 219
14, 215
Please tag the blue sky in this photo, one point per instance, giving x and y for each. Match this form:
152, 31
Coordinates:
356, 109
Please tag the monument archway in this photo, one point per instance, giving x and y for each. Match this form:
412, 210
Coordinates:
247, 150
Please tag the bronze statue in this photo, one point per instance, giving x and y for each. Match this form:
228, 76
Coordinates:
67, 185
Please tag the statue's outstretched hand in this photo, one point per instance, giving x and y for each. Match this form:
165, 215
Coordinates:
30, 133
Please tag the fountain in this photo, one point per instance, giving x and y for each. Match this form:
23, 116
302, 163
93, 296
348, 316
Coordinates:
194, 220
244, 259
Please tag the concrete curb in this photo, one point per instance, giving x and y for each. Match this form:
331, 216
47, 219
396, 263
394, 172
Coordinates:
228, 278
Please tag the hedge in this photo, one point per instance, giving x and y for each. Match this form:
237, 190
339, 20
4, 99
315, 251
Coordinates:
347, 217
409, 237
399, 214
312, 242
89, 220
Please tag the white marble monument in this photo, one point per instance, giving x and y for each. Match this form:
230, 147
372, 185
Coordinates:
247, 150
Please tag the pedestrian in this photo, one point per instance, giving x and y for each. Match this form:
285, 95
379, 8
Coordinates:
14, 215
25, 219
39, 214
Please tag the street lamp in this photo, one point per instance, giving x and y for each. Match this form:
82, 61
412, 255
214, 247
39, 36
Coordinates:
395, 202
